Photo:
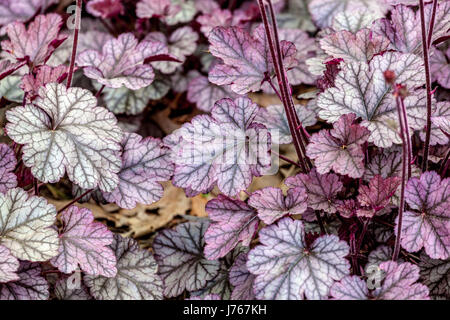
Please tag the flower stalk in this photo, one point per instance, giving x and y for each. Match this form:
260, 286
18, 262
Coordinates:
75, 41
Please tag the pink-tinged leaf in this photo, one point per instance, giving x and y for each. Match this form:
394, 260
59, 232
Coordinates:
404, 27
306, 47
25, 223
241, 279
271, 204
400, 282
44, 74
428, 225
347, 208
145, 163
440, 67
286, 268
180, 44
375, 197
8, 265
121, 62
105, 8
205, 94
321, 189
65, 131
216, 18
323, 12
21, 10
227, 148
179, 253
136, 277
360, 88
350, 288
339, 149
207, 297
441, 122
84, 243
36, 43
65, 289
275, 119
156, 8
8, 163
246, 59
187, 11
435, 274
361, 46
30, 285
355, 20
328, 76
232, 221
92, 40
7, 67
206, 6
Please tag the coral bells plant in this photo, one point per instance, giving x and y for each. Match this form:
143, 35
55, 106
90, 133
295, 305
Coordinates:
255, 150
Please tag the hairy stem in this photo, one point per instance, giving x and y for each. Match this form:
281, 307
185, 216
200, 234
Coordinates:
403, 183
425, 46
286, 97
75, 200
75, 41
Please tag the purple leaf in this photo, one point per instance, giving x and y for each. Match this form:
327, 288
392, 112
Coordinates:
105, 8
232, 221
321, 189
207, 297
8, 163
205, 94
339, 149
400, 283
246, 59
227, 148
121, 62
275, 119
404, 28
271, 204
440, 128
241, 279
435, 274
215, 18
145, 163
180, 44
64, 290
360, 88
286, 268
65, 131
36, 43
44, 74
136, 277
347, 208
361, 46
7, 67
427, 226
84, 243
25, 226
155, 8
30, 285
376, 195
440, 67
323, 12
179, 253
350, 288
8, 265
21, 10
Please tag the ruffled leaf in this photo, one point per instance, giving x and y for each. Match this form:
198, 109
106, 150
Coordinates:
105, 8
8, 163
205, 94
65, 131
241, 279
21, 10
155, 8
30, 285
435, 274
376, 195
8, 265
440, 67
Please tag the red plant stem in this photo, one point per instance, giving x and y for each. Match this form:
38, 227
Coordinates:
406, 133
75, 41
321, 225
361, 236
36, 187
74, 200
431, 26
99, 91
426, 148
286, 159
403, 183
445, 164
284, 93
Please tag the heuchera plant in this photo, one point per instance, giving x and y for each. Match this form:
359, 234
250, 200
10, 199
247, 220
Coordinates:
340, 107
